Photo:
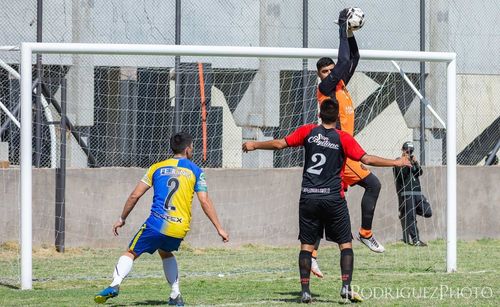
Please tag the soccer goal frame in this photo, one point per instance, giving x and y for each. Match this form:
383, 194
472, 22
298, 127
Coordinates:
28, 49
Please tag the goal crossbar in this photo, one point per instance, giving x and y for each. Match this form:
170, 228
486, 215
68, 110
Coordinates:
28, 49
230, 51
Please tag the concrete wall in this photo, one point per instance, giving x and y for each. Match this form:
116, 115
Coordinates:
255, 206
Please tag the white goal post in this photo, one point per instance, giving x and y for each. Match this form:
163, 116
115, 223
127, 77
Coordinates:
28, 49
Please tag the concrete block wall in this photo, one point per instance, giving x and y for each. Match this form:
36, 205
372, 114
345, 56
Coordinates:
258, 206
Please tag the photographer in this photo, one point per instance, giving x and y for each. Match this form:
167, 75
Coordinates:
410, 197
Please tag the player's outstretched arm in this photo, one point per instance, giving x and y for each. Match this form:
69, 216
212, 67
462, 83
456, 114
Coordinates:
353, 150
209, 209
379, 161
132, 199
275, 144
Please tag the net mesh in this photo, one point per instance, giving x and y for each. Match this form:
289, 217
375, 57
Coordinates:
120, 119
121, 111
123, 116
279, 24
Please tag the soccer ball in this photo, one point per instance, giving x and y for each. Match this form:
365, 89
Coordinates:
357, 19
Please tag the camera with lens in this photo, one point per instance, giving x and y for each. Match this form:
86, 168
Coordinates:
410, 153
408, 148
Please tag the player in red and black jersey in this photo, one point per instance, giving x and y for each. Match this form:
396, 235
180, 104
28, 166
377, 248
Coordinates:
322, 204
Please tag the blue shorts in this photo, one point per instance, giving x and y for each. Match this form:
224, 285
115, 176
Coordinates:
149, 240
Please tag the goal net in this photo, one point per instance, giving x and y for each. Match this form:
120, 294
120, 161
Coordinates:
123, 102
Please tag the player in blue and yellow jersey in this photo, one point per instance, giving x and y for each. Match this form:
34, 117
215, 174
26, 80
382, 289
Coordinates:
174, 182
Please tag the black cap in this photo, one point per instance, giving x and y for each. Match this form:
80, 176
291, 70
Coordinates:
408, 146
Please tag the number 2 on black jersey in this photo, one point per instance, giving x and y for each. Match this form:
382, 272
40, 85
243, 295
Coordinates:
173, 186
315, 168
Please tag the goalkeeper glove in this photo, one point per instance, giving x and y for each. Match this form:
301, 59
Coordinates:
344, 16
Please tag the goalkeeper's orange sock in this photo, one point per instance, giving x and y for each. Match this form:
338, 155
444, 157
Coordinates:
315, 253
365, 233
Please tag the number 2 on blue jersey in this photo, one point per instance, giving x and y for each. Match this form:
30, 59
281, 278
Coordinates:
173, 186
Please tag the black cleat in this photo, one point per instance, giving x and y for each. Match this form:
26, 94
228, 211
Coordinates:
419, 243
306, 298
178, 301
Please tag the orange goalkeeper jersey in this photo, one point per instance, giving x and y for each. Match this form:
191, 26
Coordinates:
354, 170
346, 108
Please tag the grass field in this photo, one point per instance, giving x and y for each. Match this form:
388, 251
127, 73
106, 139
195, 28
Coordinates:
259, 276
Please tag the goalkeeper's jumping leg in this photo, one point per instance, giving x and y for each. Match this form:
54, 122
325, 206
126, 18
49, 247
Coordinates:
372, 187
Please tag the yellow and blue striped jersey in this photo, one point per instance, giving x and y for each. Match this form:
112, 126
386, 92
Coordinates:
174, 182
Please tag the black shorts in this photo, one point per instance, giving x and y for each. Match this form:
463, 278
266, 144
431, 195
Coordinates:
316, 215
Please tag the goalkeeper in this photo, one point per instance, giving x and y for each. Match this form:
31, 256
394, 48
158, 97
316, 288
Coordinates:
334, 78
174, 182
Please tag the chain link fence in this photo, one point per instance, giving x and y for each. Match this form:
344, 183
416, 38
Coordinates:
121, 108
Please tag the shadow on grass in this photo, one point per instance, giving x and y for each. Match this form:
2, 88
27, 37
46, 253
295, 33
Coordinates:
297, 295
10, 286
143, 303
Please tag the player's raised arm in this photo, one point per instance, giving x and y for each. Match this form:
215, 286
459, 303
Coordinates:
209, 209
354, 57
132, 200
353, 45
342, 69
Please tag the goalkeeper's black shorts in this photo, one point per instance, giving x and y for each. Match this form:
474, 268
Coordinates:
331, 216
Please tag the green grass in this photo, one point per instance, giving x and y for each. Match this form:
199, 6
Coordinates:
260, 276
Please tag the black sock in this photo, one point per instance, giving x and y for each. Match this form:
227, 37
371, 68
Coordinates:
305, 269
346, 266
